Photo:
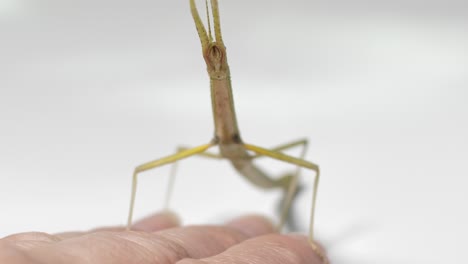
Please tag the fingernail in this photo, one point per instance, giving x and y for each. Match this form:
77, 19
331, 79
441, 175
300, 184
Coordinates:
252, 225
157, 221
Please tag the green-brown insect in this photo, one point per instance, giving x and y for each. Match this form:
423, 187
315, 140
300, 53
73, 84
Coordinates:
227, 136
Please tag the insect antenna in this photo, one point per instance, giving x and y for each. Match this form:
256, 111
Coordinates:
209, 21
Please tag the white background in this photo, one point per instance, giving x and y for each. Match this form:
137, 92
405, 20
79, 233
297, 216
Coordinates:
90, 89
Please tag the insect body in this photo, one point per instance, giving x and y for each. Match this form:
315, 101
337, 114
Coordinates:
227, 136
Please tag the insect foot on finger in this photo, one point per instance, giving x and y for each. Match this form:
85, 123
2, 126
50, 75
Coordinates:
319, 251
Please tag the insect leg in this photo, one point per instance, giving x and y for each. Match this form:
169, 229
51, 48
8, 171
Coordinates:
173, 172
304, 164
157, 163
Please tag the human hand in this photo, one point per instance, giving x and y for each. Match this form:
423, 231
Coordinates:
161, 240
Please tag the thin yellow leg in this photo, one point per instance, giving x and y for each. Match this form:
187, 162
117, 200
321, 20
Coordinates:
157, 163
301, 163
172, 175
301, 142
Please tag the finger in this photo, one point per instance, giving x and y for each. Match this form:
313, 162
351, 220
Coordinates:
30, 236
204, 241
30, 240
158, 221
252, 225
152, 223
271, 249
27, 240
163, 247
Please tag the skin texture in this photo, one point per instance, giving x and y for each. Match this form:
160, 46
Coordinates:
161, 240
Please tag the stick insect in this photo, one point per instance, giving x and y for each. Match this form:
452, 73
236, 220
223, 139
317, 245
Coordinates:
227, 136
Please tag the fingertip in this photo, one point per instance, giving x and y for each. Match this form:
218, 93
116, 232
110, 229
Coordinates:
158, 221
270, 248
317, 248
252, 225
